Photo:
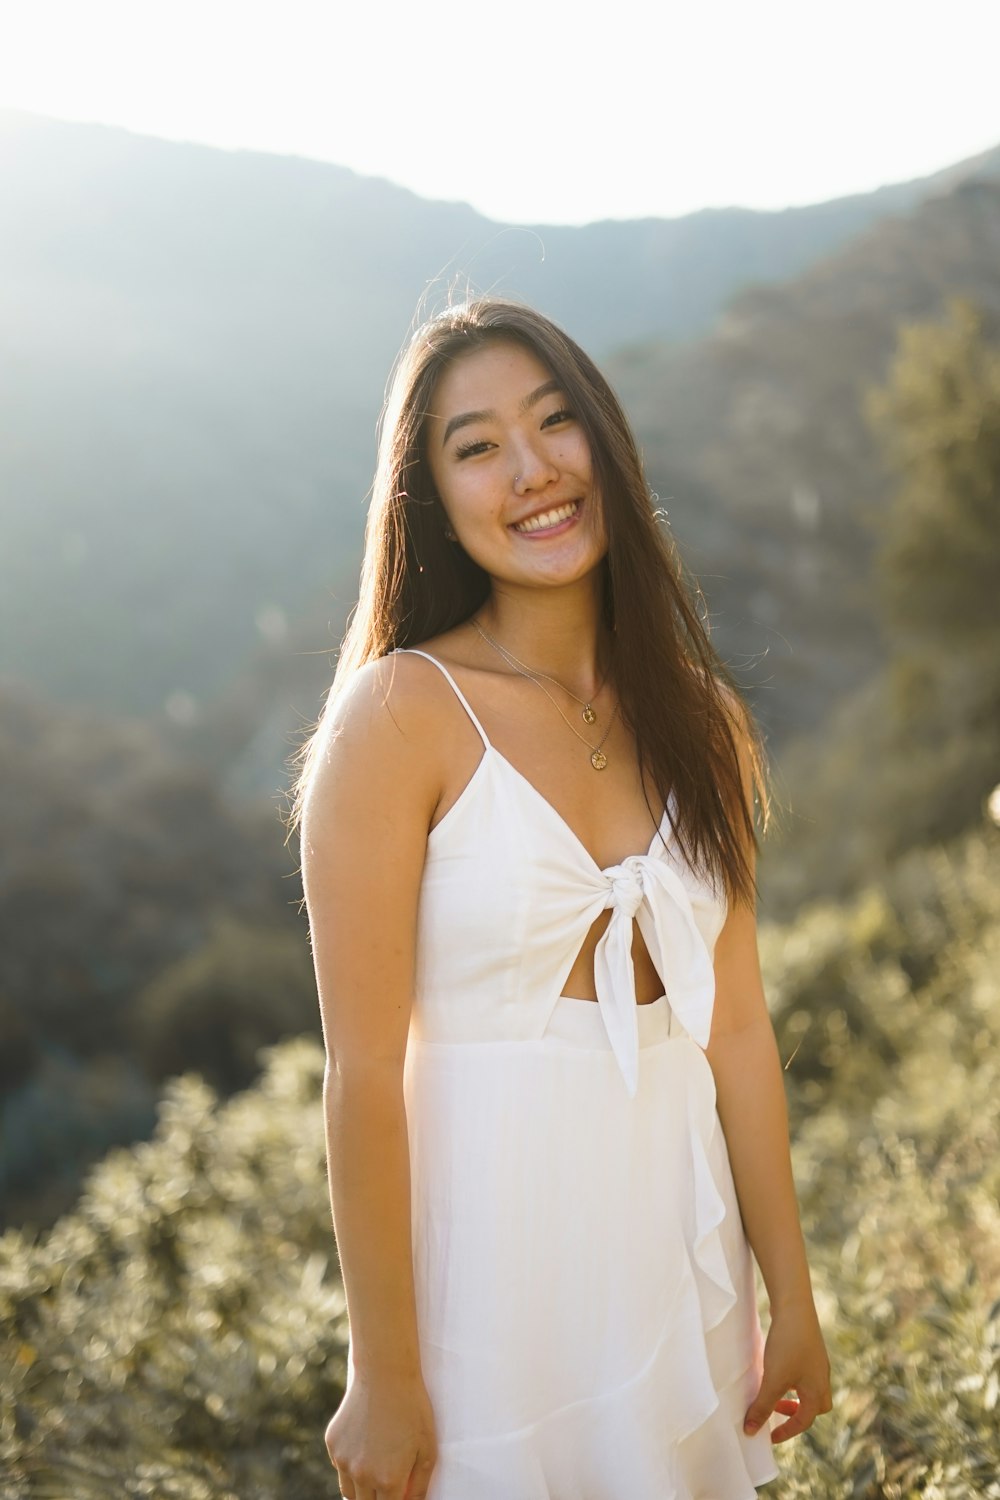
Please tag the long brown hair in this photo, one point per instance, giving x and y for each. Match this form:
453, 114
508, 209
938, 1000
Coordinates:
684, 708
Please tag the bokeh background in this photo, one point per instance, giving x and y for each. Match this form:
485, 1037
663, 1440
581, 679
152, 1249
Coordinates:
778, 232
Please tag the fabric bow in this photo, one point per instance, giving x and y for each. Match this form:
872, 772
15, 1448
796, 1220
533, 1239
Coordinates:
645, 889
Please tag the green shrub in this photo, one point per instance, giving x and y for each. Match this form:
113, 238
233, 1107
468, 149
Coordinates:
182, 1332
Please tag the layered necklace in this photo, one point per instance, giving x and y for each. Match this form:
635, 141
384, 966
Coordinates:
598, 759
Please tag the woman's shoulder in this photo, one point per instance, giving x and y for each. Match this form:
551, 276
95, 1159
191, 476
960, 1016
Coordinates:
401, 704
431, 684
378, 741
395, 691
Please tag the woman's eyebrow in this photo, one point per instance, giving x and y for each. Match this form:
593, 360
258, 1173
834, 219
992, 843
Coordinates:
466, 418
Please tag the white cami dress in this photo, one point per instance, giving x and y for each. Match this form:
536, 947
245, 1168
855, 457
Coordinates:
585, 1291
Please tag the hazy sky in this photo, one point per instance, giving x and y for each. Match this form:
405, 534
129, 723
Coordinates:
537, 112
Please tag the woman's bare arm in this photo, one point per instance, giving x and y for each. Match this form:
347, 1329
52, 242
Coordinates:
743, 1054
364, 834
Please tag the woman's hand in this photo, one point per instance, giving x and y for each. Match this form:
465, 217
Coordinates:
795, 1358
382, 1439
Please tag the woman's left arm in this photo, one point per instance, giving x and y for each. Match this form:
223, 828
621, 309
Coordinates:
743, 1054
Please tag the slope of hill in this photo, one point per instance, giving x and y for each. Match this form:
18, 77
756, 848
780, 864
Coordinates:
756, 442
195, 347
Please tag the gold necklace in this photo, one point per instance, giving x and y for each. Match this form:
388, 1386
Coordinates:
588, 716
598, 759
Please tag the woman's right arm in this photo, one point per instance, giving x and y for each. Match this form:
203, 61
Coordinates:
363, 843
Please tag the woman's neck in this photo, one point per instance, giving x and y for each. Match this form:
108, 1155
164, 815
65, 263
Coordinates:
560, 633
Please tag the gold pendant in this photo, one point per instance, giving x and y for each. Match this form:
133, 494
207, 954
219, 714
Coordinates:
598, 760
589, 717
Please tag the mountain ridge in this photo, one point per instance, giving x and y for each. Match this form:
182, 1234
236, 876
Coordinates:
197, 347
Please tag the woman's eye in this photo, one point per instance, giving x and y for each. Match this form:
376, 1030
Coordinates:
465, 450
480, 445
563, 415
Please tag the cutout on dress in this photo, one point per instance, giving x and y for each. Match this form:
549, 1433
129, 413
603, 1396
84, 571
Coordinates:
641, 961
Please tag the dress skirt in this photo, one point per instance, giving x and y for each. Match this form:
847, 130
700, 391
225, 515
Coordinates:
585, 1292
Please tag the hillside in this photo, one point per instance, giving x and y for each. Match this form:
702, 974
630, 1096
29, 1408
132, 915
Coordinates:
195, 348
756, 443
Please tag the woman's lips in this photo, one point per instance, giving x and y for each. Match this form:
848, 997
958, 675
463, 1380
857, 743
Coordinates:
558, 528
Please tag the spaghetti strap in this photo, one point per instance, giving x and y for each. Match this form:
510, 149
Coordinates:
413, 651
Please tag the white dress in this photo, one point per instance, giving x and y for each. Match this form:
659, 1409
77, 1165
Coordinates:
585, 1291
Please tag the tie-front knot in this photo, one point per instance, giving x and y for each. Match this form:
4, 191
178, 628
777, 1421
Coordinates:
626, 891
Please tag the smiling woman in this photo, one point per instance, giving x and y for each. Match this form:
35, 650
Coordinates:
555, 1116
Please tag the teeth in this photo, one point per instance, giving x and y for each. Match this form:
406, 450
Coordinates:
548, 518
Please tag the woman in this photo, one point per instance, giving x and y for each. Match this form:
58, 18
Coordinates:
554, 1105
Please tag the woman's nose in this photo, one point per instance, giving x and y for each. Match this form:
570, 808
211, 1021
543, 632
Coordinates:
533, 469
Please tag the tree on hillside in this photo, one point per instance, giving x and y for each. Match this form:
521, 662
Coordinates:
938, 418
909, 760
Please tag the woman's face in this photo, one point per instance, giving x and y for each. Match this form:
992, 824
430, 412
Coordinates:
505, 449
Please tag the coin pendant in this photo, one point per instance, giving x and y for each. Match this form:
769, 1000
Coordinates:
589, 717
598, 760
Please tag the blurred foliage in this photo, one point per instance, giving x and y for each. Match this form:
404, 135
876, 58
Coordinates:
757, 441
909, 759
182, 1333
136, 902
242, 989
939, 420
